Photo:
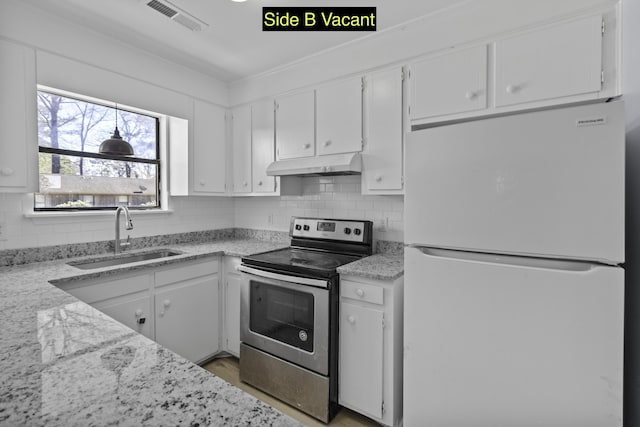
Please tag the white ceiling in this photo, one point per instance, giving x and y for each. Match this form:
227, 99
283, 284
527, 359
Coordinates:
233, 45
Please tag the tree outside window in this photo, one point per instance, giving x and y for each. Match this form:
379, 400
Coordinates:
74, 176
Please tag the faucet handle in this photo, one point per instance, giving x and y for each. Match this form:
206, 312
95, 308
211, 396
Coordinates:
127, 243
129, 224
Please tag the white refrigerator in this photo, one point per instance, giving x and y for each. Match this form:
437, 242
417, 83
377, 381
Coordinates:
514, 290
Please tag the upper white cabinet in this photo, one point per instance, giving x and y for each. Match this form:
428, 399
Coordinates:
339, 117
263, 148
454, 82
382, 156
18, 112
209, 149
241, 149
295, 121
558, 61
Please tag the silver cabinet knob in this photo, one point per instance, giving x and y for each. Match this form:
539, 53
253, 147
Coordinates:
351, 319
6, 171
360, 293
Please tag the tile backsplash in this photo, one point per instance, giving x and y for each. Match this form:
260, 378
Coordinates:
328, 197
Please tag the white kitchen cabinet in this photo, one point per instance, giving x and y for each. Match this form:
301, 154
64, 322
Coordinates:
177, 305
241, 149
125, 297
370, 359
18, 109
232, 280
553, 62
134, 311
454, 82
382, 156
263, 148
209, 149
339, 117
295, 125
187, 309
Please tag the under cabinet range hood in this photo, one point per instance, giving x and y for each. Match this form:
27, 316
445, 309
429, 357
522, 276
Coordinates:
334, 164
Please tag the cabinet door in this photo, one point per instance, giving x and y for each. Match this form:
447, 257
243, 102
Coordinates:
450, 83
187, 318
295, 121
339, 117
136, 313
361, 358
383, 152
18, 140
559, 61
209, 154
242, 149
232, 319
263, 149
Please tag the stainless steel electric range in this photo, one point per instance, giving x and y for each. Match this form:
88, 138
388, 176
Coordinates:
289, 313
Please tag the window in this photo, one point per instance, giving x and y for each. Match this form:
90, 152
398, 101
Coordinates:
74, 176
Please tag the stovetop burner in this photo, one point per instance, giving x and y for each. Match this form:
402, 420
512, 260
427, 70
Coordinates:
318, 247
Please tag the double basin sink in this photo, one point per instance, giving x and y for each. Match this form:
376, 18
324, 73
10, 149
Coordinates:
115, 260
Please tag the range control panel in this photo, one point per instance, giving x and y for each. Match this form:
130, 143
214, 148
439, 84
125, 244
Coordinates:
333, 229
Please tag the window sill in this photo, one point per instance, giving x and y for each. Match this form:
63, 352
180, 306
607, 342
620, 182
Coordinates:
78, 214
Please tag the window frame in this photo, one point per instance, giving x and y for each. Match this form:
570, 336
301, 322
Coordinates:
158, 161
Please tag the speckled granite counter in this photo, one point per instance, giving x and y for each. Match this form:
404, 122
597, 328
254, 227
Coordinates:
378, 266
63, 363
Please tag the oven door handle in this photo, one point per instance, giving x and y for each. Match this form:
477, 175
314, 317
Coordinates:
318, 283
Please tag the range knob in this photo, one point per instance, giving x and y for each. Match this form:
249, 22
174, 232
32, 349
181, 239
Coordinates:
347, 230
357, 231
306, 227
298, 227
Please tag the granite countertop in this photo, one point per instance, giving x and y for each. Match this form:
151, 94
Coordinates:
377, 266
64, 363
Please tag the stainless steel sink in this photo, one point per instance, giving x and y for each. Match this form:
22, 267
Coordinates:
89, 264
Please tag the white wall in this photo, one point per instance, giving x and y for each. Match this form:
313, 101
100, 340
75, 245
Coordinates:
188, 214
75, 58
631, 90
327, 197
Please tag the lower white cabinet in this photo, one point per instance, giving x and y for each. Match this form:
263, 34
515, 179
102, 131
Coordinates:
370, 359
231, 340
187, 317
176, 305
134, 311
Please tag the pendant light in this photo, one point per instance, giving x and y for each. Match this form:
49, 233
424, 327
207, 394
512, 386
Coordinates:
116, 145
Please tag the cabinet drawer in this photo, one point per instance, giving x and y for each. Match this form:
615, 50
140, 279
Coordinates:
186, 272
362, 292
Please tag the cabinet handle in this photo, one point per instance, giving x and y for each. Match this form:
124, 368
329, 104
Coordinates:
166, 303
259, 182
244, 184
6, 171
327, 143
351, 319
360, 292
306, 146
378, 178
138, 313
202, 183
511, 88
470, 95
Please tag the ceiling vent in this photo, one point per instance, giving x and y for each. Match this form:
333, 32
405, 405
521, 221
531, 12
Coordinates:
177, 15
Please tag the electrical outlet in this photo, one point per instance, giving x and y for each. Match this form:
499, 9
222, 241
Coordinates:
3, 230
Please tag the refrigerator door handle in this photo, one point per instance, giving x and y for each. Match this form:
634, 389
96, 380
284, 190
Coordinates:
520, 261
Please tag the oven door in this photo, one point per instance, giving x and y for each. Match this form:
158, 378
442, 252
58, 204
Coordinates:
286, 316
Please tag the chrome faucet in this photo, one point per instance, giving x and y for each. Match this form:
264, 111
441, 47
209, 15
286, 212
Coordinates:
128, 226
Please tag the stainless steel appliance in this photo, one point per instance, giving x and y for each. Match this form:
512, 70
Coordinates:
289, 313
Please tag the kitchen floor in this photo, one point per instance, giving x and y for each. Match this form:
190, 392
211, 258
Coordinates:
227, 368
